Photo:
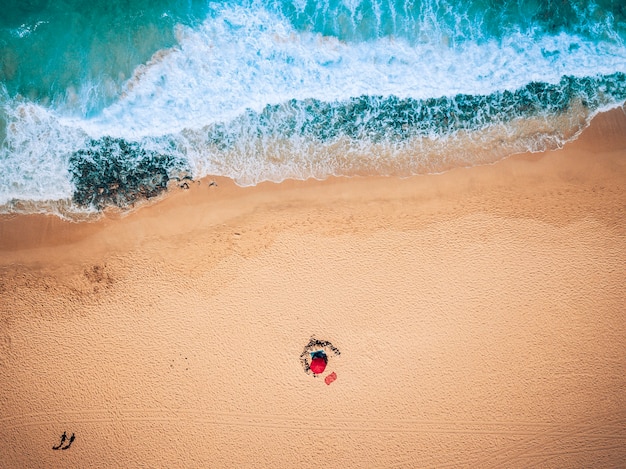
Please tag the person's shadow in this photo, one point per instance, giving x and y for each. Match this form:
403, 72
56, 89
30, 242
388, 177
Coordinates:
63, 440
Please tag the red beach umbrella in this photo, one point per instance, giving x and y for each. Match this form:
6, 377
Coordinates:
318, 365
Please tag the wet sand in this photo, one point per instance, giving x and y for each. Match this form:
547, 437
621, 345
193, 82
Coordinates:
479, 315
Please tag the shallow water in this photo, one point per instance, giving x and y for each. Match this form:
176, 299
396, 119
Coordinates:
104, 104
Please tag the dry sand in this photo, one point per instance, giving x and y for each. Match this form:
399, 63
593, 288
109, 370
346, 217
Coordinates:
480, 316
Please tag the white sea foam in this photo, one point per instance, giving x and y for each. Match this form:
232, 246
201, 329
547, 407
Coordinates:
245, 59
34, 158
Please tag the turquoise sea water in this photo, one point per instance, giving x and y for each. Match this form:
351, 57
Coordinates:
104, 102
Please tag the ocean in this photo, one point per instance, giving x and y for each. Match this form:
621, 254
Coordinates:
106, 103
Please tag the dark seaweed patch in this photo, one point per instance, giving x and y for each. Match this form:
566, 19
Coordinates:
378, 118
112, 171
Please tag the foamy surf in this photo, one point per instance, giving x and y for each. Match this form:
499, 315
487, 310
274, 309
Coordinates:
251, 94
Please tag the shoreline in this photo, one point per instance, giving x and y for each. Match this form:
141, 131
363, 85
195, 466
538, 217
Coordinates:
478, 312
605, 133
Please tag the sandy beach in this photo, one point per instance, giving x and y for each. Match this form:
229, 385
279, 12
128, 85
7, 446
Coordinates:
479, 315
